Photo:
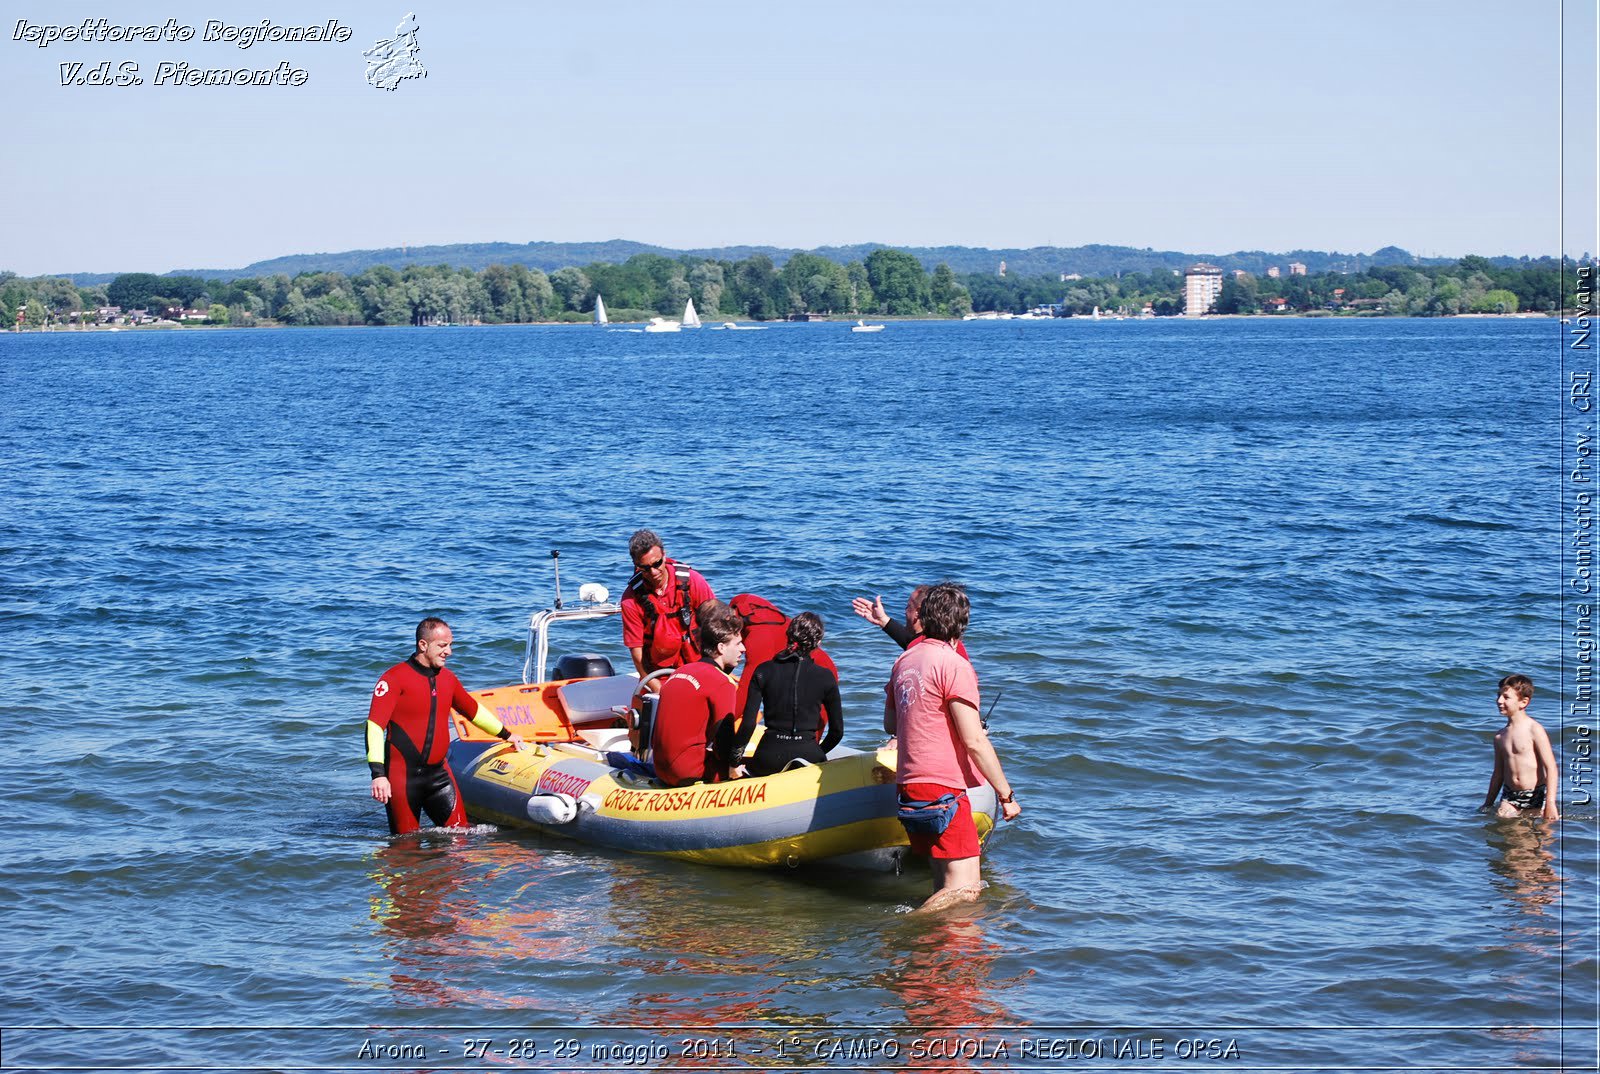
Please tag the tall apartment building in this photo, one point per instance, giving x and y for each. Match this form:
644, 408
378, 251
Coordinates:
1201, 286
1296, 269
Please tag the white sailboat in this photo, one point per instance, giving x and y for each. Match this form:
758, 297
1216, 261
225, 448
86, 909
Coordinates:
600, 311
691, 319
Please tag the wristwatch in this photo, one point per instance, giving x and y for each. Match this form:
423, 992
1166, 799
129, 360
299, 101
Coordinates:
1010, 798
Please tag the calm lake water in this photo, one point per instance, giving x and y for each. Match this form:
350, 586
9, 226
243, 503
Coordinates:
1243, 590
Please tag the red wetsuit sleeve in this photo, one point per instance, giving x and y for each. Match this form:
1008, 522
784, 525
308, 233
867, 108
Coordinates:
726, 693
721, 701
385, 702
679, 734
385, 697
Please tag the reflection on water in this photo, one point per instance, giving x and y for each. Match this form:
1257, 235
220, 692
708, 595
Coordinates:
1525, 873
702, 952
437, 931
941, 972
826, 956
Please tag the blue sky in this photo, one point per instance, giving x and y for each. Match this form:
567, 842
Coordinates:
1432, 126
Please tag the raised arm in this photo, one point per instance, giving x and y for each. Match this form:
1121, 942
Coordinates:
899, 632
870, 610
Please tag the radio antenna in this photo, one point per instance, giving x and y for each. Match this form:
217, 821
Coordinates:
986, 715
555, 556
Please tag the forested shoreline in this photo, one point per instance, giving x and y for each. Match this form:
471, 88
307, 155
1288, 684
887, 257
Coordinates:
885, 283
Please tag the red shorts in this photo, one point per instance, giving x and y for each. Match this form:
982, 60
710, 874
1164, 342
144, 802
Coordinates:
959, 840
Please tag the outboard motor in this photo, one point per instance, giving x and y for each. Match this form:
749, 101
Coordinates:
583, 666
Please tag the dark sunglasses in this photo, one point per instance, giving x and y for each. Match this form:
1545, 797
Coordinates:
652, 566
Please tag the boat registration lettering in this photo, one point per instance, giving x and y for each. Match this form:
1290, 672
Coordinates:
553, 782
626, 801
514, 715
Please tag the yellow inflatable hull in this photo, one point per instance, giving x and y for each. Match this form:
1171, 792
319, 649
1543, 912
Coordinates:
841, 812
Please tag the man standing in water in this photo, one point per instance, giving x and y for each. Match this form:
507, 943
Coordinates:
932, 711
658, 608
408, 734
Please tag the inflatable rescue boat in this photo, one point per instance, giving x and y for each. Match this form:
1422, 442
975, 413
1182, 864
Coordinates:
581, 780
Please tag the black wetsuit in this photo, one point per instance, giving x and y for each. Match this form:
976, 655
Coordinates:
793, 692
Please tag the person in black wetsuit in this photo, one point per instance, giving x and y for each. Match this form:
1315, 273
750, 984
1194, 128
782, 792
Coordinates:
794, 693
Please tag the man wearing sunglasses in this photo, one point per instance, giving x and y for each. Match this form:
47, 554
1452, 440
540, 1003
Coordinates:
658, 605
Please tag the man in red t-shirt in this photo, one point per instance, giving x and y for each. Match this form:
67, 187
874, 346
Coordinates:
658, 607
696, 701
932, 712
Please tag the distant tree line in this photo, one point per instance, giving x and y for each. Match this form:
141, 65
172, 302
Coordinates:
886, 282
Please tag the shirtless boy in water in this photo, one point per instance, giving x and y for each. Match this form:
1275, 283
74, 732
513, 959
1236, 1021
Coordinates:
1524, 764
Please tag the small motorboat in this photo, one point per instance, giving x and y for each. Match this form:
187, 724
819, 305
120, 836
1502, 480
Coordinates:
863, 326
661, 324
582, 779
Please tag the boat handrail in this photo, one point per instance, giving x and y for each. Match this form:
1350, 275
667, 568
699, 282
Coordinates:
538, 651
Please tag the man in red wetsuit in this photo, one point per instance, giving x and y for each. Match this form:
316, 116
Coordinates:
658, 607
697, 704
408, 733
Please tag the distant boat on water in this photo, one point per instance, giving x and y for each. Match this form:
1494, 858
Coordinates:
661, 324
600, 311
691, 319
863, 326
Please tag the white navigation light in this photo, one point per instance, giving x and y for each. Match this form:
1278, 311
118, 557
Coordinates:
594, 593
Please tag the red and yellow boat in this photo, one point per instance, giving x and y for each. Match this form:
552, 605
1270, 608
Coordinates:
580, 781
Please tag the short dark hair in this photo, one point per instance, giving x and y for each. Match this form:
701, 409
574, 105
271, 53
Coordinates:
945, 611
716, 624
641, 542
428, 626
804, 631
1520, 683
